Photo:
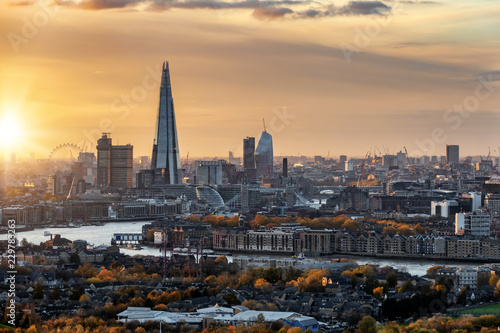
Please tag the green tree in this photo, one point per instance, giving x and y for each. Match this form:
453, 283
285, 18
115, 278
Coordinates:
74, 258
391, 327
55, 294
367, 325
370, 284
231, 299
462, 296
76, 293
38, 291
406, 286
392, 280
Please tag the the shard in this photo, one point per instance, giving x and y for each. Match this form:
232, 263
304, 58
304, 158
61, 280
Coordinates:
165, 160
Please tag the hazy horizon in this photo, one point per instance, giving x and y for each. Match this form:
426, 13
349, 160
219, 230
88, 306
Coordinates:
341, 76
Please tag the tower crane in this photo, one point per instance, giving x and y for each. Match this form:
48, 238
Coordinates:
409, 166
185, 165
363, 167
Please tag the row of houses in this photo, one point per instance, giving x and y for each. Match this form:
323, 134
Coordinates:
90, 210
56, 256
323, 242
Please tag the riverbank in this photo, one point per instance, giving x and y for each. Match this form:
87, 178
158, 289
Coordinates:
407, 257
77, 224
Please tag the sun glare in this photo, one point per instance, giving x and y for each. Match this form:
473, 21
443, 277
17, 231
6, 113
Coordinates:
10, 130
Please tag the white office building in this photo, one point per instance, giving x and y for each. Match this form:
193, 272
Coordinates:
475, 224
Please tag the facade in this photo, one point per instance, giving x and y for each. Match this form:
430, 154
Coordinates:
390, 160
467, 277
492, 203
348, 165
249, 158
464, 248
209, 172
264, 155
89, 167
104, 160
165, 159
122, 166
274, 240
445, 208
452, 154
318, 241
114, 163
209, 197
475, 224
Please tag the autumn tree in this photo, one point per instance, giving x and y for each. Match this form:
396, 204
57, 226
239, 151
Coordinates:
433, 270
352, 225
378, 292
263, 285
494, 280
258, 221
389, 230
87, 270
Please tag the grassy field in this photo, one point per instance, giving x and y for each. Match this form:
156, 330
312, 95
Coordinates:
486, 309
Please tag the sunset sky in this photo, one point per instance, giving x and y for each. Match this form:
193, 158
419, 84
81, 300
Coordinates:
326, 75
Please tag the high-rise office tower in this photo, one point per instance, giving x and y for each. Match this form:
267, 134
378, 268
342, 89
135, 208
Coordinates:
285, 167
249, 157
264, 155
103, 160
122, 163
165, 159
452, 154
114, 163
249, 153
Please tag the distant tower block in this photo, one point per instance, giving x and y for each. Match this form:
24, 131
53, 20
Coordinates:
452, 154
264, 155
165, 159
249, 158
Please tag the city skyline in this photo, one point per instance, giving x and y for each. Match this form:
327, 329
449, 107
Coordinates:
319, 83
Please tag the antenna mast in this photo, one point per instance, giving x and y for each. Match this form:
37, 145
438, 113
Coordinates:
264, 121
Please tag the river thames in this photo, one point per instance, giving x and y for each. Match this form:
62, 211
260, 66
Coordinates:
101, 235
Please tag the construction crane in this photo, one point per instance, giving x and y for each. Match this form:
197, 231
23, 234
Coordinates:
363, 167
409, 166
70, 188
185, 165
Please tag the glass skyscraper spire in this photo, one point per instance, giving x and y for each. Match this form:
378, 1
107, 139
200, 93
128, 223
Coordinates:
165, 159
264, 155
